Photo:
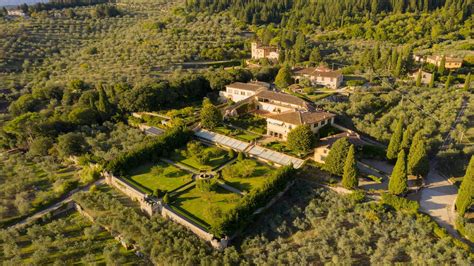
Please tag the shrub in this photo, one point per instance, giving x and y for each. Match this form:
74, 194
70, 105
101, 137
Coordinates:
375, 178
400, 204
148, 152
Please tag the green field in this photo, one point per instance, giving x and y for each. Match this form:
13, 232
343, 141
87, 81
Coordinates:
71, 239
254, 181
161, 176
218, 157
202, 207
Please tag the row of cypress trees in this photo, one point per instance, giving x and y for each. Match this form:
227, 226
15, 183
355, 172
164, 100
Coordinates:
414, 163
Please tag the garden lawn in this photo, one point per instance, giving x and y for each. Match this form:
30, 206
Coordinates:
199, 205
256, 180
251, 123
161, 176
238, 134
218, 158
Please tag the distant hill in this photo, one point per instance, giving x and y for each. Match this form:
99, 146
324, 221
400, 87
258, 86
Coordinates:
19, 2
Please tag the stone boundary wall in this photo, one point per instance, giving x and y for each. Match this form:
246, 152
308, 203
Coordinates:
147, 206
274, 199
200, 232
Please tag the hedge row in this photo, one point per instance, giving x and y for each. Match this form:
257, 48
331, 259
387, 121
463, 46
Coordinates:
400, 204
149, 151
239, 216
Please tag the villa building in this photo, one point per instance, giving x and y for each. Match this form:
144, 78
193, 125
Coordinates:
260, 51
279, 125
239, 91
450, 62
283, 112
319, 76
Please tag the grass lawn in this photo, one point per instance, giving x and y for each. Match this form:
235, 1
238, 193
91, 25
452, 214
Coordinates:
200, 206
250, 122
256, 180
161, 176
217, 158
238, 134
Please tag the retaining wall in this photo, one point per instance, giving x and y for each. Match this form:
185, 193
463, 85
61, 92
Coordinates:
146, 205
202, 233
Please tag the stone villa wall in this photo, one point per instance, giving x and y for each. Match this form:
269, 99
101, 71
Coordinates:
201, 232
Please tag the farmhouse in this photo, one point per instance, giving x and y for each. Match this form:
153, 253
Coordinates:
450, 63
279, 125
319, 76
425, 76
260, 51
239, 91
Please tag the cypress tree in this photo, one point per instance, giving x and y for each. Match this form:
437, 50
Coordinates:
103, 106
406, 139
432, 80
336, 159
398, 183
418, 79
418, 164
466, 191
349, 178
448, 81
441, 67
467, 82
283, 79
395, 141
399, 66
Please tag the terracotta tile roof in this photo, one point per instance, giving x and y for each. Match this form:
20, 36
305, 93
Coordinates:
282, 97
318, 72
353, 138
247, 86
301, 118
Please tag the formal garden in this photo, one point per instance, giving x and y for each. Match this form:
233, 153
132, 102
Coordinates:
159, 178
65, 240
200, 157
240, 134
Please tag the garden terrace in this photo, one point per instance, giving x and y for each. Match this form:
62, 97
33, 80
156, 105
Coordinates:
200, 157
203, 207
250, 123
162, 176
68, 239
246, 175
